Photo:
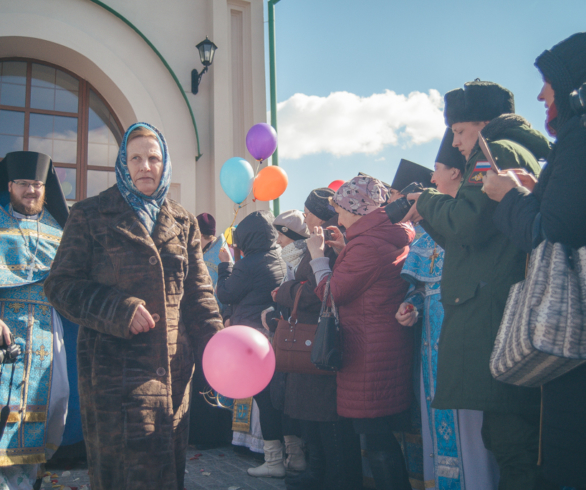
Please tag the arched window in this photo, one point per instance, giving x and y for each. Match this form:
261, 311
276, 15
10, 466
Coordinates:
47, 109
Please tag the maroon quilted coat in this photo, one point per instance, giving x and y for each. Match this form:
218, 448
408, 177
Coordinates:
367, 288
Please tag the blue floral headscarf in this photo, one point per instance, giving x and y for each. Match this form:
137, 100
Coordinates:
146, 207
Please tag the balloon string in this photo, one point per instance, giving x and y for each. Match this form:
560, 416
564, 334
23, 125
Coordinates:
240, 206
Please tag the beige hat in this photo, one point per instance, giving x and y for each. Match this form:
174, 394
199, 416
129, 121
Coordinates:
292, 225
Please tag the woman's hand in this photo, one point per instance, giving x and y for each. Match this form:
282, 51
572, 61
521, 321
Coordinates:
5, 333
227, 323
315, 243
142, 321
496, 185
527, 180
407, 315
337, 242
263, 317
224, 255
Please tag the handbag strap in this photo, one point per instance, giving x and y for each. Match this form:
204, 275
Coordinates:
328, 294
293, 316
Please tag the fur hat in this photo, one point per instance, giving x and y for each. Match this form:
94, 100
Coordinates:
318, 203
448, 155
477, 101
292, 225
564, 67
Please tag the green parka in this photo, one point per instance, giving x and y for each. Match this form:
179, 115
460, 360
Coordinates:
480, 266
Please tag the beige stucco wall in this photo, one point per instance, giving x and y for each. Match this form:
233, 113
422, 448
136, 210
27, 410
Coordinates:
93, 43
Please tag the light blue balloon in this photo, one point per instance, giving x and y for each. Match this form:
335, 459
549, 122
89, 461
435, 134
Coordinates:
236, 179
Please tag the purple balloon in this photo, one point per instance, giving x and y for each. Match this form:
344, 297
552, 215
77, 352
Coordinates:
261, 141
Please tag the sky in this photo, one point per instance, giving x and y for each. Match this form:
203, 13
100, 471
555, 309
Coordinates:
360, 85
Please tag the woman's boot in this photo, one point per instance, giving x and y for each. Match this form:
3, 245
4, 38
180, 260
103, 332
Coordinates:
312, 478
273, 465
295, 456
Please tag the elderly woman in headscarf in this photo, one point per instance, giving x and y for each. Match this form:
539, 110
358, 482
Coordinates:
128, 268
374, 386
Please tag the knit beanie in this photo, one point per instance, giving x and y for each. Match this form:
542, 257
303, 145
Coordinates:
477, 101
564, 67
207, 224
448, 155
318, 203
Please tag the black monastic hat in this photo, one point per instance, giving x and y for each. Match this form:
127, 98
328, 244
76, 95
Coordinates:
30, 165
409, 172
448, 155
477, 101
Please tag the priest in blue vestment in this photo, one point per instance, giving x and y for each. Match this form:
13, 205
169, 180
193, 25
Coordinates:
34, 390
454, 456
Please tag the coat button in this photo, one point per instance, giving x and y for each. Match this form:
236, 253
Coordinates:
161, 372
153, 260
425, 344
155, 317
457, 300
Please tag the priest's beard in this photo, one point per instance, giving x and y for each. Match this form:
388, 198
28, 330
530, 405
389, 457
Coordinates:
28, 210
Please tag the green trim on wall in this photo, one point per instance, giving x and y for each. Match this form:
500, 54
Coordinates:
151, 45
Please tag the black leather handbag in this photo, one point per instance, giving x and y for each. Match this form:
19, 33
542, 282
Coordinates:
326, 353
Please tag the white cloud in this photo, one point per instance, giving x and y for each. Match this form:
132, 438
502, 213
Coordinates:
343, 123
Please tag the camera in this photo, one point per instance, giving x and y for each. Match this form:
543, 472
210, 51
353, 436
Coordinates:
578, 102
9, 353
397, 210
327, 234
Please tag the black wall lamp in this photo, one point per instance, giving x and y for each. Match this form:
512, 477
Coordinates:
206, 50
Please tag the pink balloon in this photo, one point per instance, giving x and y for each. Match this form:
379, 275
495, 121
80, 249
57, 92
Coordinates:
261, 141
238, 362
335, 185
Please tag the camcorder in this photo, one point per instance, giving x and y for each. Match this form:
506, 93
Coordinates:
9, 353
398, 209
578, 102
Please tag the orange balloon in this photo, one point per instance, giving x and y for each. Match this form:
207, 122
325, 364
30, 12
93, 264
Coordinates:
270, 183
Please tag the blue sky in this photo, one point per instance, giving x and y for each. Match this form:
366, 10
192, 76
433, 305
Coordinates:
356, 50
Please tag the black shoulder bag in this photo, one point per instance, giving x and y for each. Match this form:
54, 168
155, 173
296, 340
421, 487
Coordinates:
326, 353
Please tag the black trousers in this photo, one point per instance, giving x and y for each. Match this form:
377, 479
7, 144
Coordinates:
514, 440
274, 424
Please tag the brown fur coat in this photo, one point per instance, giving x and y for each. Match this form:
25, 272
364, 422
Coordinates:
134, 390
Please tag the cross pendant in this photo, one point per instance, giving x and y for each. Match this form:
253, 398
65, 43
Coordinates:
434, 256
30, 269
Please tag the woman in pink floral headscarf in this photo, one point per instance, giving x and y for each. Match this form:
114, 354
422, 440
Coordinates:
374, 386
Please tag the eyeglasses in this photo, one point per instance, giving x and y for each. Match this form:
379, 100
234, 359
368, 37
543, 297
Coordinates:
25, 185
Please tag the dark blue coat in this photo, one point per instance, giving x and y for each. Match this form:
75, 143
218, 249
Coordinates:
247, 284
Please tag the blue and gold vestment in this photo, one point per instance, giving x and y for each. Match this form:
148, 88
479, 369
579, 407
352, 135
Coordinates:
26, 387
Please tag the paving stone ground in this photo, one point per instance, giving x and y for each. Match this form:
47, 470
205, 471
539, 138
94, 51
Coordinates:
210, 469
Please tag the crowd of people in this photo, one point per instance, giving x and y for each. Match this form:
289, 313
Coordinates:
419, 295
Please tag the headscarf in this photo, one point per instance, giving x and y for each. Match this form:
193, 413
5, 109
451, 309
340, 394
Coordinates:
146, 207
361, 195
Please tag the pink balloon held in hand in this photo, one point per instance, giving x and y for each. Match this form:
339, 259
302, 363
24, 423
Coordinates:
238, 362
261, 141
